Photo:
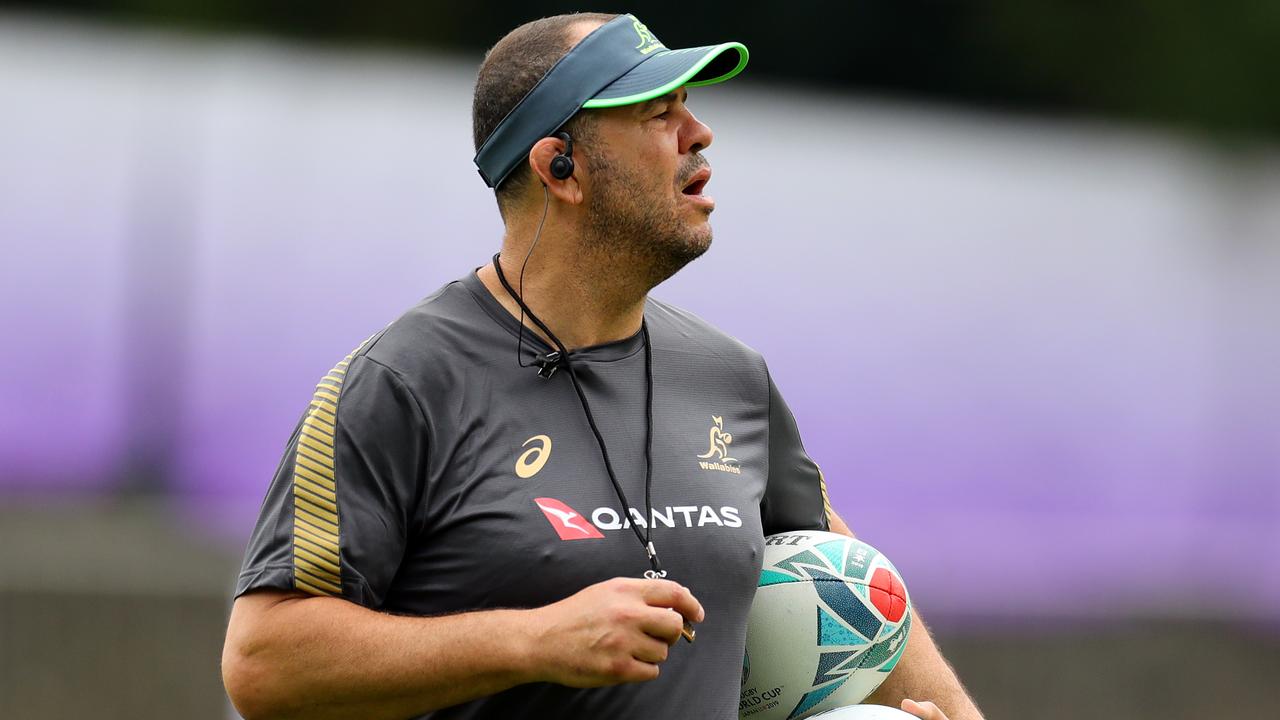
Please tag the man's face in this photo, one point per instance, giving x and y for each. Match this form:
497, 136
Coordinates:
646, 179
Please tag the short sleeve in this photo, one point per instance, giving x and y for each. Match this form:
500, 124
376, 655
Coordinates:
795, 497
339, 512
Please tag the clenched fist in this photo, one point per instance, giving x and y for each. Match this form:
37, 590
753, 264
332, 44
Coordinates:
617, 631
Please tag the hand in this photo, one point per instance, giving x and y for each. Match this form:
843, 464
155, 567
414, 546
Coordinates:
617, 631
923, 710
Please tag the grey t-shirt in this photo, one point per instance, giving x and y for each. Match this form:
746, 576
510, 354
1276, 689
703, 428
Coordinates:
432, 474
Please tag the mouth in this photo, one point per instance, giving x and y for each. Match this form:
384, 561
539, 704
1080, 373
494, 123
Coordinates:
693, 188
697, 182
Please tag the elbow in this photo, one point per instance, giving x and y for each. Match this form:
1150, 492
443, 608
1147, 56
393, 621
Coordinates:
249, 685
254, 680
253, 661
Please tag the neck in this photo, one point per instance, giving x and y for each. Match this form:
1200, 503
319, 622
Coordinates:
584, 297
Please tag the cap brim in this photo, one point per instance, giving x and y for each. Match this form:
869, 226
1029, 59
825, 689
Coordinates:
667, 70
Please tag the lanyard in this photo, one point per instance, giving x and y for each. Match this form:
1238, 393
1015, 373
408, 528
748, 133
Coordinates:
561, 356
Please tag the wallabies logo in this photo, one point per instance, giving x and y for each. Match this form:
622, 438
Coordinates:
648, 43
717, 455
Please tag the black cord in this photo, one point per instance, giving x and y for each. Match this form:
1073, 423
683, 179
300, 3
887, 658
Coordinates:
546, 204
648, 453
645, 538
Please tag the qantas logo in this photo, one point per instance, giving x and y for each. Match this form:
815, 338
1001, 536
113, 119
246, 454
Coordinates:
568, 524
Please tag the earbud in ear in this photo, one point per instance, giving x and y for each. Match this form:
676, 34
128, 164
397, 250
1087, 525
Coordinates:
562, 164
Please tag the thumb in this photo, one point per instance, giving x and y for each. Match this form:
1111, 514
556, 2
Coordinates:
925, 710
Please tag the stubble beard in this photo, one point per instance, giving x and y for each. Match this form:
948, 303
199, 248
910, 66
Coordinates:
644, 235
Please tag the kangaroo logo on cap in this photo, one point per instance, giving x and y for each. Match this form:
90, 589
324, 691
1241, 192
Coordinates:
648, 43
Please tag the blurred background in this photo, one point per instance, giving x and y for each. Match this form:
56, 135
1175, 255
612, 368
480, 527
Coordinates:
1015, 266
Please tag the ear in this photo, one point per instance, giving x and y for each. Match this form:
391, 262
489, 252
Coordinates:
540, 157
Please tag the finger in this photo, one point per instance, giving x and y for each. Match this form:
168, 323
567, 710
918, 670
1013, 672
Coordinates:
664, 593
924, 710
640, 671
663, 624
649, 650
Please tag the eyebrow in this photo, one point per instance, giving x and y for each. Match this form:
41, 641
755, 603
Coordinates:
670, 97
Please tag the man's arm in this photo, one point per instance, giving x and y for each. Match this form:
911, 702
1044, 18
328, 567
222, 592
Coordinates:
291, 655
922, 672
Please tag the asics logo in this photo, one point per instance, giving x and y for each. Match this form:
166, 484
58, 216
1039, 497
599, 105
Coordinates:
532, 460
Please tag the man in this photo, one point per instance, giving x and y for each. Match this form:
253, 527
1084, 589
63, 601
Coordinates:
462, 533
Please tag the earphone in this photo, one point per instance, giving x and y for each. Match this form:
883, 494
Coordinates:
562, 164
561, 169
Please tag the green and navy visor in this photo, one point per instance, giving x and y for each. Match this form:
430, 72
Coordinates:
619, 63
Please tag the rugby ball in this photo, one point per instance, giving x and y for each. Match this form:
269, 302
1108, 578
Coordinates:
829, 622
866, 712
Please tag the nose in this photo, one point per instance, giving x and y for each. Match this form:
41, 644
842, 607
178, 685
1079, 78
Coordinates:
696, 137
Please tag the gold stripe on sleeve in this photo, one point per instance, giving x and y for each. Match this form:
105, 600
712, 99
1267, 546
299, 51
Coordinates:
312, 496
315, 446
302, 532
319, 437
315, 460
822, 484
325, 403
320, 476
307, 579
308, 544
317, 559
306, 504
315, 422
317, 489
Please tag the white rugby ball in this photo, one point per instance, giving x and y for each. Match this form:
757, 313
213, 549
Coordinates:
866, 712
829, 622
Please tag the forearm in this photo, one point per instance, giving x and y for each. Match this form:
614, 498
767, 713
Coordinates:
923, 674
319, 657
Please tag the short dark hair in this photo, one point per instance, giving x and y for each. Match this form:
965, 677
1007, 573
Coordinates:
510, 70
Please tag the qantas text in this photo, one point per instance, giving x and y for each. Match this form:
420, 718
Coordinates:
607, 518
